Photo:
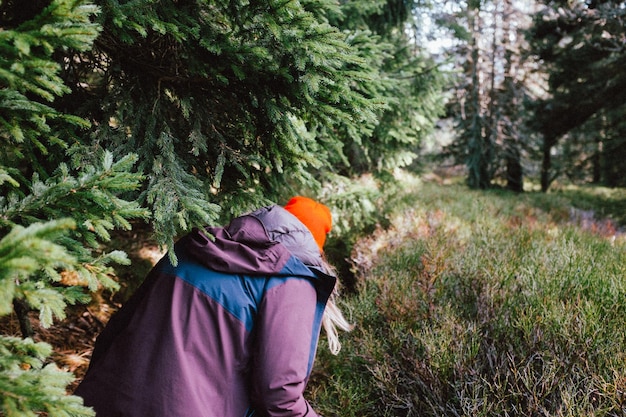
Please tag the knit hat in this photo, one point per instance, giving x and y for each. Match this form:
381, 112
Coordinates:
315, 216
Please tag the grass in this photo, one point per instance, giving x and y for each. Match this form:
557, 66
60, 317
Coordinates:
483, 304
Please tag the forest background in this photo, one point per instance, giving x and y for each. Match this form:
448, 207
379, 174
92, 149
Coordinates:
130, 122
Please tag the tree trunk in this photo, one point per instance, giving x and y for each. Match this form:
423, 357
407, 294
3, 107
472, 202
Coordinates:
21, 311
546, 165
596, 161
479, 145
514, 171
510, 106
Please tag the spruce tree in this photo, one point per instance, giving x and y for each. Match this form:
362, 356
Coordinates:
58, 202
487, 104
403, 76
232, 105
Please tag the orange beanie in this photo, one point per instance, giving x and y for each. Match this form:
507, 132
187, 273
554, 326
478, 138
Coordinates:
315, 216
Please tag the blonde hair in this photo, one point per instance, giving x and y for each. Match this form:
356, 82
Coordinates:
333, 318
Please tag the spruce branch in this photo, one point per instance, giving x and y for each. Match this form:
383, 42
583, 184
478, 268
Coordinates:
29, 387
89, 196
25, 251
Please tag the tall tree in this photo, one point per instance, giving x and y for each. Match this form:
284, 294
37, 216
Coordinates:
490, 90
410, 84
581, 45
476, 124
509, 119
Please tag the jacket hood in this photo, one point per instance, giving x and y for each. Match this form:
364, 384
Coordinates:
259, 243
282, 226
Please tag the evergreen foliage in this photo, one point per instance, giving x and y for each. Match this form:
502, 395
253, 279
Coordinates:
229, 104
53, 214
232, 105
29, 386
407, 81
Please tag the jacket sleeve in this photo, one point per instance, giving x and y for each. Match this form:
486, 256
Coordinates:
286, 341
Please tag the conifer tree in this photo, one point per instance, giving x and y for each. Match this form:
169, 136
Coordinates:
489, 94
403, 76
581, 47
58, 202
232, 105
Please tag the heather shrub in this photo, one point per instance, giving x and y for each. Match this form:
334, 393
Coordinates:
481, 304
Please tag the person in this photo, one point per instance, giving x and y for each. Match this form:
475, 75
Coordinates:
231, 330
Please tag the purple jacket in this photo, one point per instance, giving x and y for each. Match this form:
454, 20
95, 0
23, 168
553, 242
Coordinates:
231, 331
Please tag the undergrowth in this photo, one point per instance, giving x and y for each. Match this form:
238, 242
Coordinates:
481, 304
